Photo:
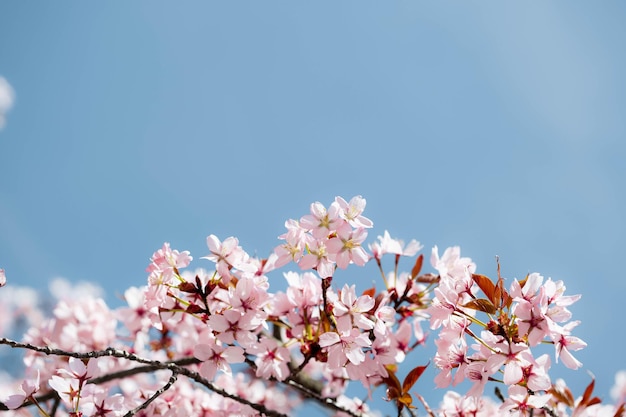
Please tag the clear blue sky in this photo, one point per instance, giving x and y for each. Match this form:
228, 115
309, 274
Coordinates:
496, 126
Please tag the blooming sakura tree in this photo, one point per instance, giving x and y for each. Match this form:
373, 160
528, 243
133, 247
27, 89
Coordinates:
221, 341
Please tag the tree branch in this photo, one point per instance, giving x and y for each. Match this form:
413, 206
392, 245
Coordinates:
158, 392
152, 366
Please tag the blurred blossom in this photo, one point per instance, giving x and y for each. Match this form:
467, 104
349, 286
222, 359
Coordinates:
6, 99
18, 306
62, 289
618, 392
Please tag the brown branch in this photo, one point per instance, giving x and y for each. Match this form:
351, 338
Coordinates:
299, 382
156, 394
152, 366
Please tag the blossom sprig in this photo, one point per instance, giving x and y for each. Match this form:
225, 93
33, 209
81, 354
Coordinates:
255, 351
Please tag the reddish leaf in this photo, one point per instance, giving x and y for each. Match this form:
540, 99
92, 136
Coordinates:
523, 281
481, 304
620, 411
392, 394
194, 309
587, 400
405, 400
428, 278
402, 399
588, 392
497, 295
392, 381
370, 291
417, 267
507, 300
486, 285
594, 401
564, 396
412, 377
503, 299
188, 287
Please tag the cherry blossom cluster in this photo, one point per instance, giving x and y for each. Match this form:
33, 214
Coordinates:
219, 341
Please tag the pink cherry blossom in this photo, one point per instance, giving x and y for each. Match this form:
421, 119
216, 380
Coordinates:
346, 247
227, 254
536, 371
232, 325
101, 404
165, 263
457, 405
78, 370
451, 264
304, 290
29, 387
450, 356
136, 315
386, 244
216, 357
477, 372
3, 278
344, 347
532, 322
322, 222
530, 290
564, 344
351, 212
356, 405
271, 359
350, 310
520, 401
248, 296
295, 242
510, 355
317, 258
68, 389
385, 316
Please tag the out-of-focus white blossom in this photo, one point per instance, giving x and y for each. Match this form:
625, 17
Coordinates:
7, 97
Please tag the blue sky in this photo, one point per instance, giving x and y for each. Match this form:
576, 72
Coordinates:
496, 126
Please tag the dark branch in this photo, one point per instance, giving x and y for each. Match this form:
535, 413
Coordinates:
152, 366
158, 392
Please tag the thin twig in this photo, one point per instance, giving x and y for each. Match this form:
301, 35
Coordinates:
158, 392
327, 402
426, 407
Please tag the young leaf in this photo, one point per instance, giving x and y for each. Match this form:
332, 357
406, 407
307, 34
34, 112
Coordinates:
587, 400
412, 377
405, 400
588, 391
428, 278
194, 309
188, 287
486, 285
392, 381
481, 304
370, 291
417, 267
